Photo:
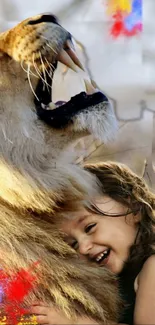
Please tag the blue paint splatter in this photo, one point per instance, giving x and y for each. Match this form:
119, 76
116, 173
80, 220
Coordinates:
135, 17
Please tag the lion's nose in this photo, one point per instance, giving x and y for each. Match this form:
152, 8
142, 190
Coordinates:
44, 18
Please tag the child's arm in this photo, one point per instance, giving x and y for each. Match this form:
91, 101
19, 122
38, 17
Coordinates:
145, 295
47, 315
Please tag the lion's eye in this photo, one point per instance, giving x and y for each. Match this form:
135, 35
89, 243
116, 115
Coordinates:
90, 227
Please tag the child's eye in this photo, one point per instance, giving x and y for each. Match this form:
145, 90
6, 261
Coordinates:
89, 227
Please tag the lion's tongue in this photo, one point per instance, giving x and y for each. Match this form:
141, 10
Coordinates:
60, 102
55, 105
89, 89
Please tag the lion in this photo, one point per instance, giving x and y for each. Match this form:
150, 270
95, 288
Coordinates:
37, 183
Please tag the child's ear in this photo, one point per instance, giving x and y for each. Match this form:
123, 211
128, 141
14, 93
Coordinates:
137, 217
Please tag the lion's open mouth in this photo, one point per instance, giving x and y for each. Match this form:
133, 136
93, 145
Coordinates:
42, 44
61, 113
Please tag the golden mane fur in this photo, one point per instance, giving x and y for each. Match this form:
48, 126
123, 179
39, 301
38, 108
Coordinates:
36, 182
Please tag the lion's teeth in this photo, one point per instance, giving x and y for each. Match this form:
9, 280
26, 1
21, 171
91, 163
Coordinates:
51, 105
70, 45
73, 55
64, 58
43, 105
89, 87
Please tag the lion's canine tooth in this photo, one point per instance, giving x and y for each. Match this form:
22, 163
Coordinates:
43, 105
69, 43
73, 55
64, 58
89, 87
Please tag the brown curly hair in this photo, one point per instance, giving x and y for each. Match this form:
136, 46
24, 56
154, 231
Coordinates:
124, 186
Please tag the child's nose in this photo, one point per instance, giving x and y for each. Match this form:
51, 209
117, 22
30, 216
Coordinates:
85, 247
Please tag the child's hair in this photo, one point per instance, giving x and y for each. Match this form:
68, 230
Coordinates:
124, 186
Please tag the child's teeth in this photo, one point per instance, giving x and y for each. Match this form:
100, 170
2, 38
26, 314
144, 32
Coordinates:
101, 256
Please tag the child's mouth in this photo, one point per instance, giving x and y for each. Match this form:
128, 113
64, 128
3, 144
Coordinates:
102, 258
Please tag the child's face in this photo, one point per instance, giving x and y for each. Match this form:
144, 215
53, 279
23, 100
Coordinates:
105, 240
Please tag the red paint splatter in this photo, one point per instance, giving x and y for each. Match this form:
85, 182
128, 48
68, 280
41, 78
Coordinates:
118, 28
16, 288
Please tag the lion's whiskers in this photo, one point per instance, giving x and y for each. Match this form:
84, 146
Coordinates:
51, 71
49, 45
4, 133
30, 72
51, 67
30, 83
44, 71
39, 73
21, 63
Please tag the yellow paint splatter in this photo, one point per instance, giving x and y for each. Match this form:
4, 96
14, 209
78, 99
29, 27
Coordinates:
3, 320
119, 5
31, 321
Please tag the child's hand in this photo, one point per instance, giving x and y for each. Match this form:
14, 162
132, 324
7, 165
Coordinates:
49, 315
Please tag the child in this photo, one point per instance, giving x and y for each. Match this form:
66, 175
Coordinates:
116, 231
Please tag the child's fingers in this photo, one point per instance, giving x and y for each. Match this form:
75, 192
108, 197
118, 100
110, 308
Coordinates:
42, 320
40, 303
39, 310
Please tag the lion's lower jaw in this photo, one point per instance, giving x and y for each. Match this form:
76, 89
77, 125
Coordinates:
35, 175
99, 121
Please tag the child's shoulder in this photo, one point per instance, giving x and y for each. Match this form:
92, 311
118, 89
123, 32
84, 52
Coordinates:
145, 293
148, 269
147, 272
